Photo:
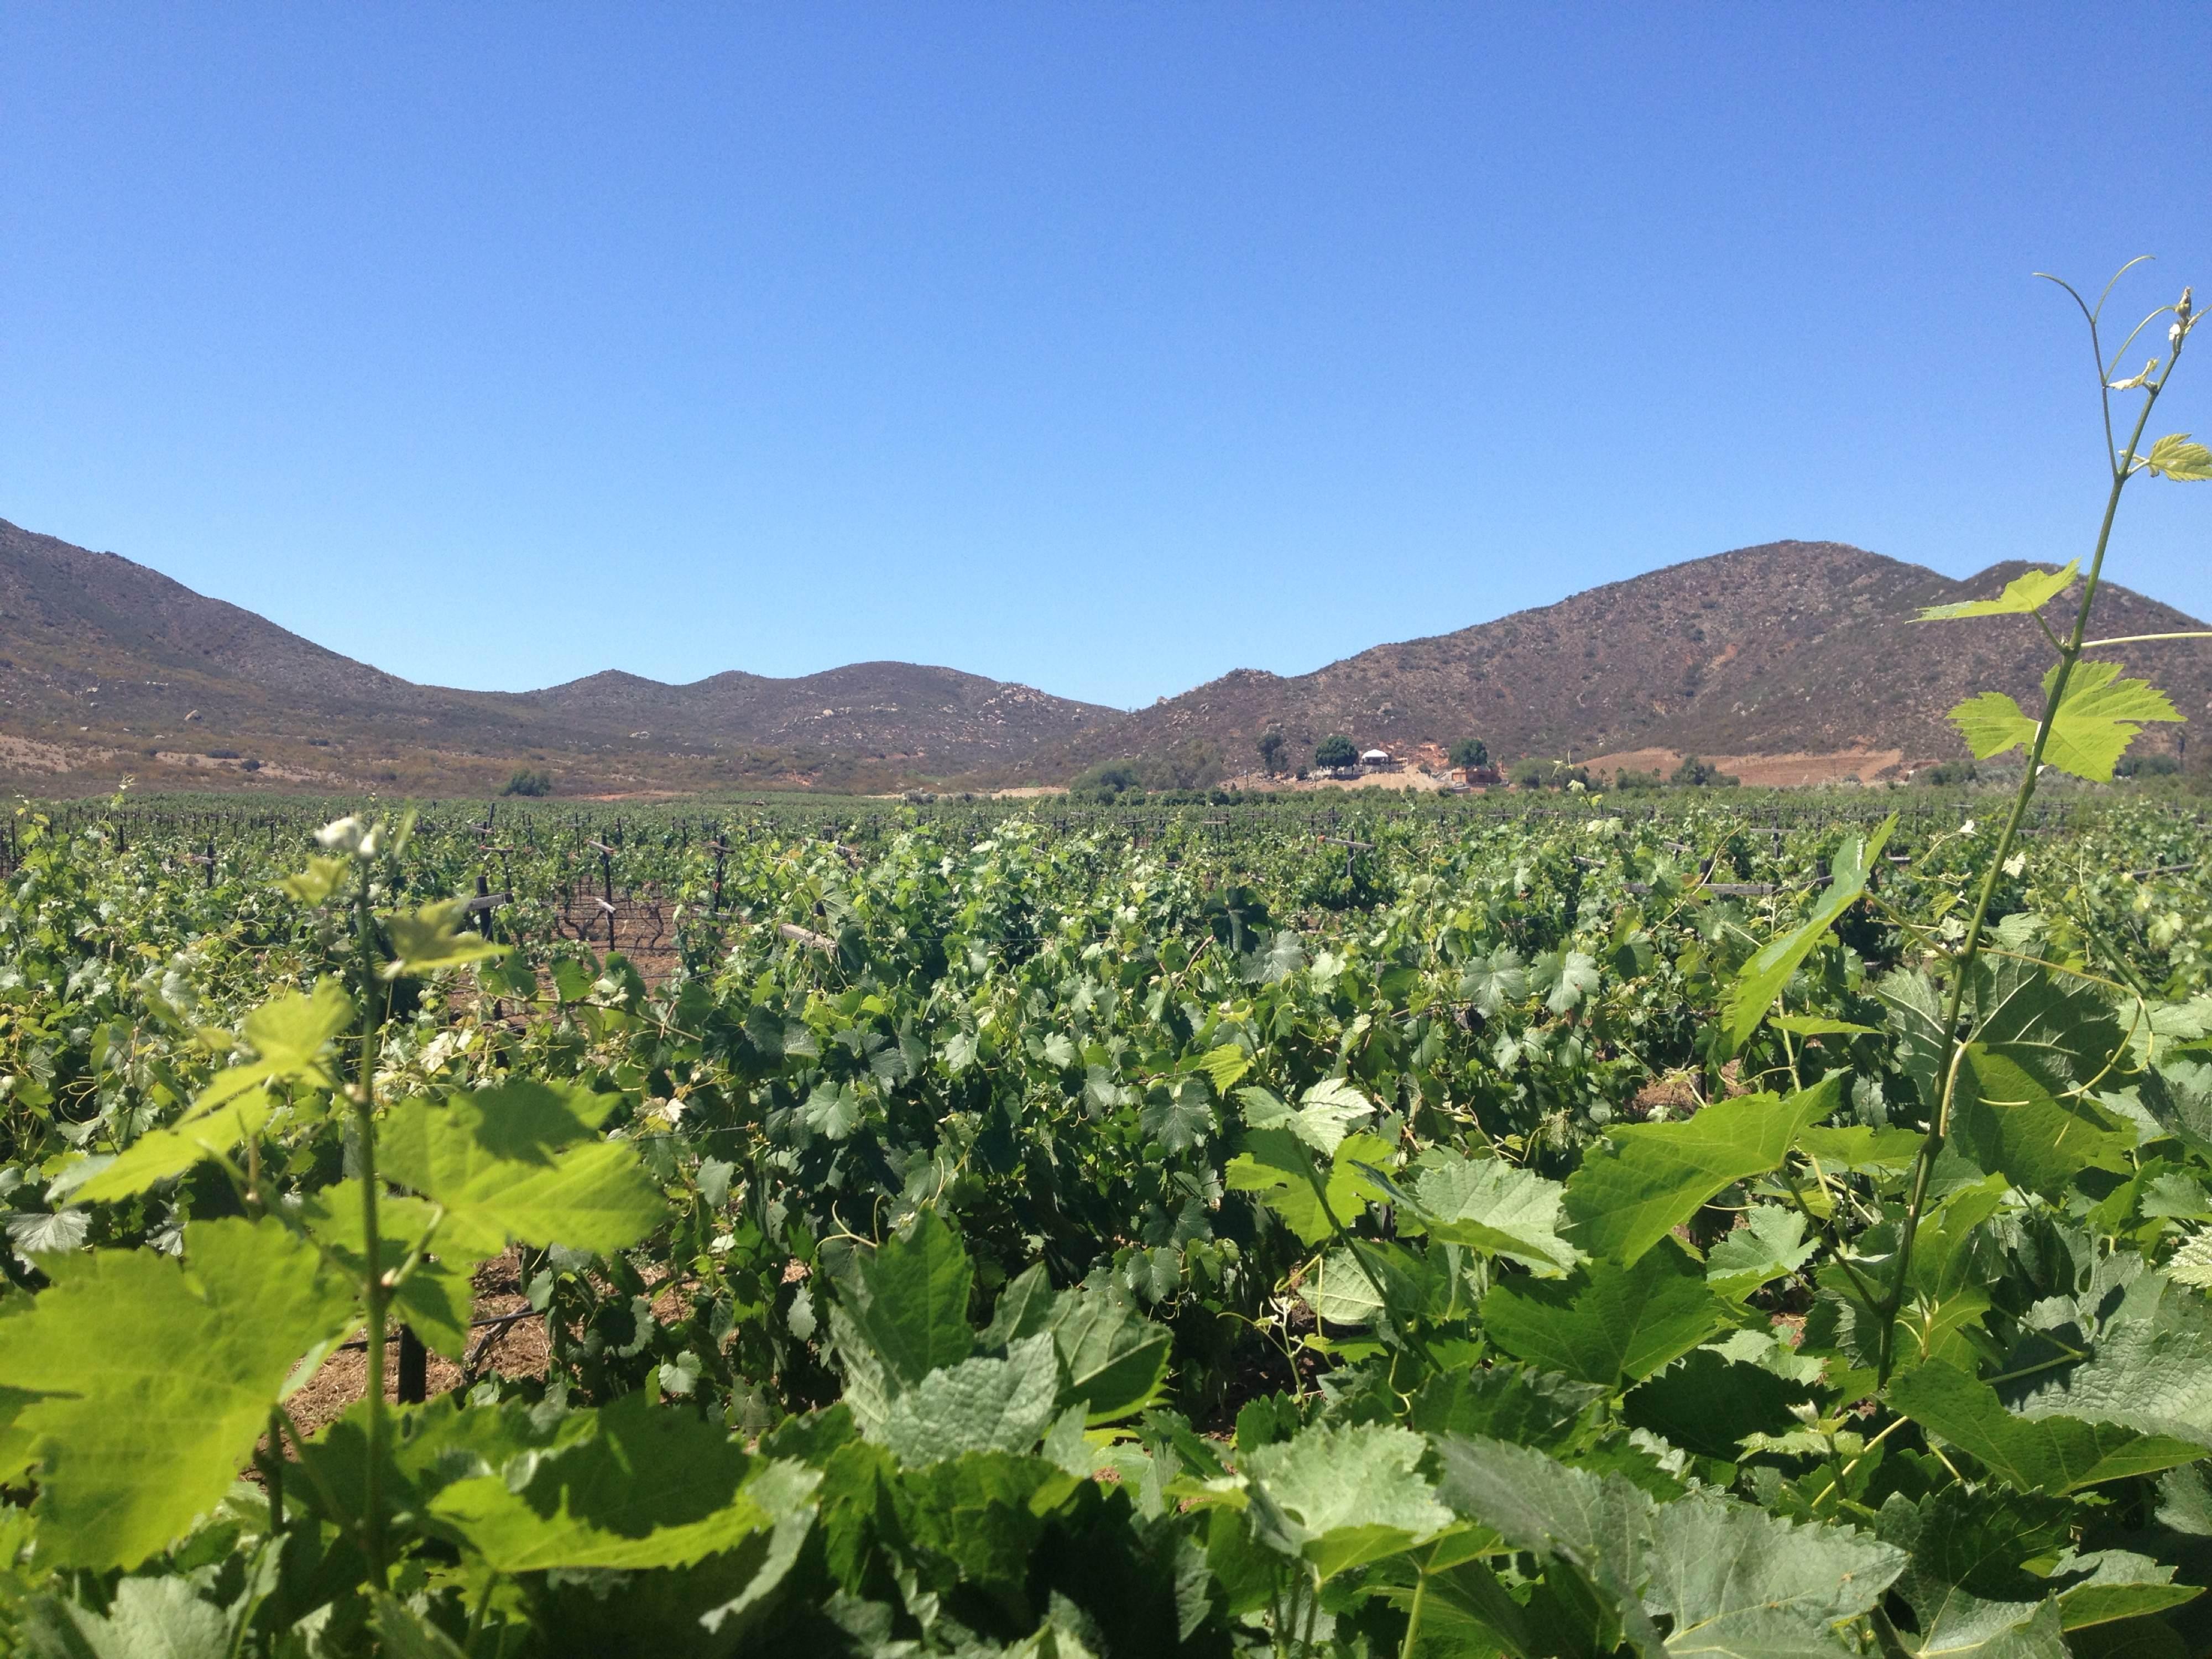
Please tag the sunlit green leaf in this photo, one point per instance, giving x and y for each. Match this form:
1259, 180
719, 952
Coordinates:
648, 1487
505, 1164
1655, 1176
1355, 1493
431, 937
157, 1378
2023, 596
1606, 1322
1752, 995
2175, 457
159, 1153
2100, 716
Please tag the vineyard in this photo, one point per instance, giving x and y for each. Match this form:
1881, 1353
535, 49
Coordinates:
1552, 1226
1110, 1233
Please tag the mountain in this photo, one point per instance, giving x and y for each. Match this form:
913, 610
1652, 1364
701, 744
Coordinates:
1785, 649
1793, 647
108, 667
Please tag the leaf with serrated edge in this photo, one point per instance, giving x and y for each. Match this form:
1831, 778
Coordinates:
1115, 1358
2175, 457
502, 1163
2101, 715
1356, 1492
2023, 596
157, 1378
1761, 979
1606, 1322
2051, 1454
287, 1035
648, 1487
913, 1310
978, 1404
159, 1153
1657, 1175
1738, 1582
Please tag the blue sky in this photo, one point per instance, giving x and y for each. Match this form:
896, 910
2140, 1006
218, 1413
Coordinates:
1102, 347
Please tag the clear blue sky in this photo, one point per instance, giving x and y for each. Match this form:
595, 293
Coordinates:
1105, 348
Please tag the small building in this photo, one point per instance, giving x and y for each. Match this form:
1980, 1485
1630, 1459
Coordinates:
1378, 760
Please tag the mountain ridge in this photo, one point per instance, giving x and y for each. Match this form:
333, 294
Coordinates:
1782, 648
108, 666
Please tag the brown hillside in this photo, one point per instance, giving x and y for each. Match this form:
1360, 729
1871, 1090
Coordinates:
107, 667
1787, 647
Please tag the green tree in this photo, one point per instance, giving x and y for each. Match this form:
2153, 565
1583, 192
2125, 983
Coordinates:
1470, 754
1334, 752
1271, 747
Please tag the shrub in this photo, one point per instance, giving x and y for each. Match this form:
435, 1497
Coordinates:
1949, 771
528, 783
1695, 774
1549, 775
2147, 766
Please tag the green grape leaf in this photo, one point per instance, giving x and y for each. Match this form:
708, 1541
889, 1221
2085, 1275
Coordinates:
1655, 1176
2152, 1372
403, 1633
316, 883
1224, 1064
1752, 995
1353, 1494
431, 938
2054, 1454
1273, 1165
911, 1305
648, 1487
1964, 1579
1599, 1525
1738, 1582
149, 1618
2175, 457
436, 1296
287, 1035
978, 1404
2023, 596
503, 1165
1858, 1148
157, 1378
1606, 1322
1770, 1245
2121, 1584
1707, 1403
1178, 1115
159, 1153
1813, 1025
1564, 978
1115, 1358
1491, 1206
2010, 1123
1490, 982
2101, 715
1322, 1119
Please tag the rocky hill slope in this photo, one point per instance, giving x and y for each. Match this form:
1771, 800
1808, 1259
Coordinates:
1787, 647
108, 667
